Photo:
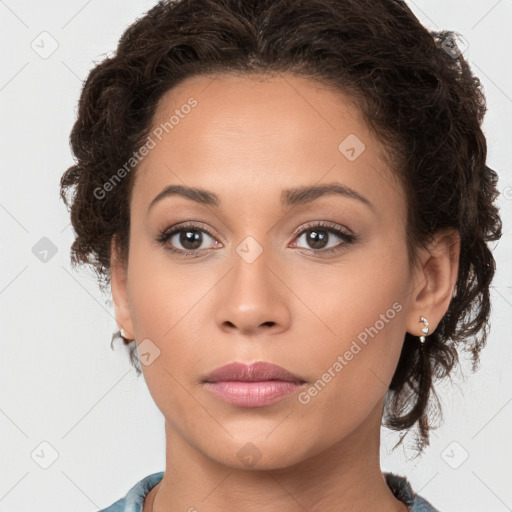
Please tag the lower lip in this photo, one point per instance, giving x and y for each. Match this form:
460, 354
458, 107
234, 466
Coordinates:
253, 394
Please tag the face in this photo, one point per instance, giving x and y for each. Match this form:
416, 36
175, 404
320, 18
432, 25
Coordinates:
267, 269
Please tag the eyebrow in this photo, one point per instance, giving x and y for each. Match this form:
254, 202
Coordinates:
290, 197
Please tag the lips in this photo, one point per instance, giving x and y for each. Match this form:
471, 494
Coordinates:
255, 385
255, 372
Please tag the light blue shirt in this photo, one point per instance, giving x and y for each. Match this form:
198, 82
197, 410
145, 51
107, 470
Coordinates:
399, 485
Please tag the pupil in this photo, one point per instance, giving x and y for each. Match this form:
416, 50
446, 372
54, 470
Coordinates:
317, 239
190, 239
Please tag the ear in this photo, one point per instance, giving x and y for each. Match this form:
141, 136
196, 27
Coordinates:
118, 285
434, 281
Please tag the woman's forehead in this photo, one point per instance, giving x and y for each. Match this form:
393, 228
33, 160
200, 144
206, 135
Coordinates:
244, 129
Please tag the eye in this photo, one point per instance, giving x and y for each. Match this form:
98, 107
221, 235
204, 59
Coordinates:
190, 236
319, 235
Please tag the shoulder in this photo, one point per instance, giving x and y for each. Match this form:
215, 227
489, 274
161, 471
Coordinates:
402, 489
134, 499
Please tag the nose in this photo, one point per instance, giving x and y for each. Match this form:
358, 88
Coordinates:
253, 298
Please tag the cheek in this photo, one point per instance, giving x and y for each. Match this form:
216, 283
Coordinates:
362, 311
167, 304
162, 306
162, 294
351, 372
359, 298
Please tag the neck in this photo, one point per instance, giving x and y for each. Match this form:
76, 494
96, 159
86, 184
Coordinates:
345, 477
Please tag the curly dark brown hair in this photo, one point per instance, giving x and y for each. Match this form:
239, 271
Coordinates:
415, 89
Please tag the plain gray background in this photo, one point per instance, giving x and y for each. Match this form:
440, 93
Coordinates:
78, 428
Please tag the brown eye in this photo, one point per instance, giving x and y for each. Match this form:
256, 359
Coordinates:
186, 239
189, 239
322, 238
317, 238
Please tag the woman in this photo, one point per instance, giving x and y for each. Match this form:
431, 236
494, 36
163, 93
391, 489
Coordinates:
290, 203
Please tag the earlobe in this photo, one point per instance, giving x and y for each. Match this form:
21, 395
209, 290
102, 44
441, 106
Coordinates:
436, 277
119, 290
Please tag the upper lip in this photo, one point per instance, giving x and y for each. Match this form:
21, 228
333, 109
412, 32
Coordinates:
255, 372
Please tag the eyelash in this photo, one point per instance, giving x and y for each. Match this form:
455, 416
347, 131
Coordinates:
347, 237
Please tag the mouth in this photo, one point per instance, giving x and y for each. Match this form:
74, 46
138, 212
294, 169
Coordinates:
254, 385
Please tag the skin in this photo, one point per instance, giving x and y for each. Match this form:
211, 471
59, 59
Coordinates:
248, 138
